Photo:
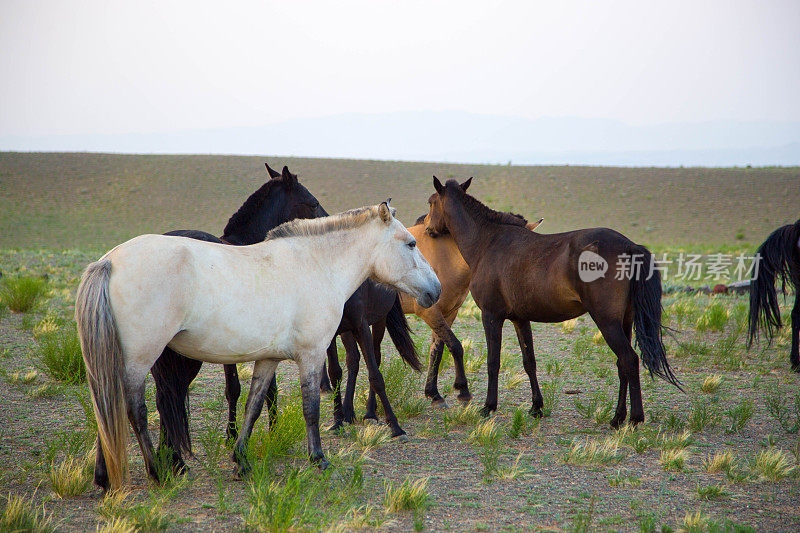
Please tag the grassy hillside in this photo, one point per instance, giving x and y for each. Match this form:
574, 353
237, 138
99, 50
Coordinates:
73, 200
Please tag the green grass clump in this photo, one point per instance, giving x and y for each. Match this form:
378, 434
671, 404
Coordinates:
674, 459
19, 514
591, 452
598, 408
71, 477
773, 464
21, 293
711, 492
149, 516
702, 416
487, 434
785, 411
519, 424
720, 462
713, 318
60, 353
372, 436
739, 416
407, 496
289, 430
711, 384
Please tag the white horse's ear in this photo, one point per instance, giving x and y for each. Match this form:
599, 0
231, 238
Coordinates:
385, 212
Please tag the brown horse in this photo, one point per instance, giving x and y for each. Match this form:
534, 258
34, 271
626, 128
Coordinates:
779, 258
523, 276
454, 274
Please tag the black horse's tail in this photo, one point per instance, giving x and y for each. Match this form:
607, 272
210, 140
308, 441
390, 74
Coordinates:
400, 333
645, 294
777, 259
172, 374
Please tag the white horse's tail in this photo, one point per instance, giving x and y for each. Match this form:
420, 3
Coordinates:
105, 368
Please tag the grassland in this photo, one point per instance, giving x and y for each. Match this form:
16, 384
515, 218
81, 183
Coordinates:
94, 201
721, 457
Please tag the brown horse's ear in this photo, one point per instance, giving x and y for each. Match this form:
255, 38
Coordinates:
464, 186
533, 225
437, 185
385, 212
272, 173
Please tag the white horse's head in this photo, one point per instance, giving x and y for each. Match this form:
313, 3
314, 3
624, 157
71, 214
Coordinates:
399, 263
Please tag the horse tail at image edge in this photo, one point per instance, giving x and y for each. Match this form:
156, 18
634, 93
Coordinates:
775, 257
105, 368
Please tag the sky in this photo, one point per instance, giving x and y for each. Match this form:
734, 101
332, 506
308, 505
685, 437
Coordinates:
108, 67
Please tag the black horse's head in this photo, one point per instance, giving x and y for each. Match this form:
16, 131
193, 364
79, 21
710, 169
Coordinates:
279, 200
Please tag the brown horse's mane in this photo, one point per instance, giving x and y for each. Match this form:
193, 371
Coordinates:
481, 210
420, 220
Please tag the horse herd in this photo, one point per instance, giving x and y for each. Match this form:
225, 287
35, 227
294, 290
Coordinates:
285, 279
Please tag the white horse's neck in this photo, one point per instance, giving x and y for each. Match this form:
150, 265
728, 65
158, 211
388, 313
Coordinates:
344, 256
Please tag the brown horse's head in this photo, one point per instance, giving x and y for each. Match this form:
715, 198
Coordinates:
434, 222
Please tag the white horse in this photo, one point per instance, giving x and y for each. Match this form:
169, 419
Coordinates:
276, 300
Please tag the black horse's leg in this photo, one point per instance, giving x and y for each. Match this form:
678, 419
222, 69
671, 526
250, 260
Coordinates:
325, 382
525, 337
351, 349
233, 389
137, 415
378, 330
616, 337
335, 371
272, 401
432, 381
100, 471
794, 355
376, 383
493, 328
263, 372
173, 373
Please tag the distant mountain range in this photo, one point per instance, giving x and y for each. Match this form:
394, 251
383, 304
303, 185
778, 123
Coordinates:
464, 137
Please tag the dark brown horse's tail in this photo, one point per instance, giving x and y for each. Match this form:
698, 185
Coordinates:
646, 299
105, 367
400, 333
778, 259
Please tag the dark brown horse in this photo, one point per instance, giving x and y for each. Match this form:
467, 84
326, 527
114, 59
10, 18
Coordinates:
523, 276
779, 258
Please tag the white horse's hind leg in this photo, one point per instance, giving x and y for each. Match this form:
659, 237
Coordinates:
262, 375
137, 415
310, 368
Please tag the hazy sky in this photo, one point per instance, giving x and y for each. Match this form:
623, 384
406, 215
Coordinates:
118, 67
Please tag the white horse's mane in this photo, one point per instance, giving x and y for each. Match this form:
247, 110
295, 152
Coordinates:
320, 226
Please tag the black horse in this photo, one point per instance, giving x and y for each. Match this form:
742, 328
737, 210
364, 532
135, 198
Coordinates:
281, 199
779, 258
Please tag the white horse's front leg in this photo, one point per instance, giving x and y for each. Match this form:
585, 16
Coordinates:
310, 366
262, 375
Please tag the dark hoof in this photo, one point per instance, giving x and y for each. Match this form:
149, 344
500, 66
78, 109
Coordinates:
465, 397
536, 412
486, 411
795, 368
338, 425
636, 420
397, 431
242, 471
617, 422
320, 462
232, 434
439, 403
325, 388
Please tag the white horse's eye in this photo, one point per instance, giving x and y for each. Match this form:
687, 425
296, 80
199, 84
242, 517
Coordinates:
412, 244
